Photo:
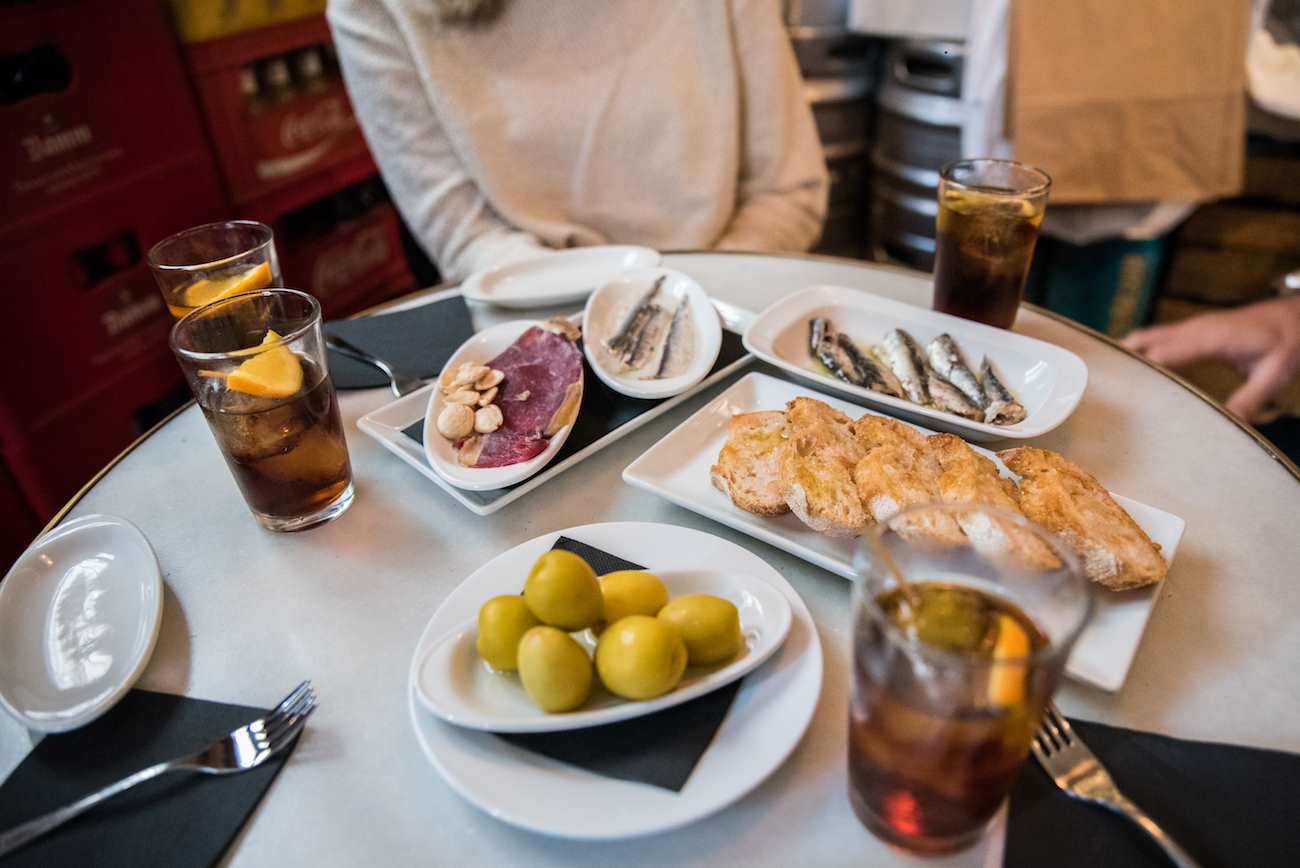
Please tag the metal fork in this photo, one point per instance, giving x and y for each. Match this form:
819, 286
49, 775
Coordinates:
244, 748
1077, 771
401, 384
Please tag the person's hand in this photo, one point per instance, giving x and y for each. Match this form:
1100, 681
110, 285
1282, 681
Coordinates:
1262, 340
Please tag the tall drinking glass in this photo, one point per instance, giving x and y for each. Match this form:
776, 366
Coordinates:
256, 364
985, 231
952, 669
213, 261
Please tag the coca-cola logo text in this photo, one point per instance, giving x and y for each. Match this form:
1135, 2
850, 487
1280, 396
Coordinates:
302, 129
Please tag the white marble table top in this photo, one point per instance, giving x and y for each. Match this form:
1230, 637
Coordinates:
249, 613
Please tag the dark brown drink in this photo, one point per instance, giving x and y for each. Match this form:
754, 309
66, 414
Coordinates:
985, 232
934, 748
288, 455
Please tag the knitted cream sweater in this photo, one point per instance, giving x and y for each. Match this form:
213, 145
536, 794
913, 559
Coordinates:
671, 123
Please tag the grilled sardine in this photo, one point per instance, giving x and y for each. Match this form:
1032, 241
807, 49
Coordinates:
1003, 408
945, 358
900, 352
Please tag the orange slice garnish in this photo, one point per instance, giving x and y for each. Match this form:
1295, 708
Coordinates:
275, 373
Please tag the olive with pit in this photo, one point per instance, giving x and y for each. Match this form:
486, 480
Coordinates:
562, 590
632, 592
554, 669
639, 657
502, 622
709, 625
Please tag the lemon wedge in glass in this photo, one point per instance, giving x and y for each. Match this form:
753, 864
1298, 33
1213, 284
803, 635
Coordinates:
1007, 673
274, 373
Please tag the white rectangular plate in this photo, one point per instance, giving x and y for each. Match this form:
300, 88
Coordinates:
677, 469
386, 425
1046, 379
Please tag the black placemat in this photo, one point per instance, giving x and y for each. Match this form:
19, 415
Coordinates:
1226, 805
179, 820
661, 749
418, 342
603, 410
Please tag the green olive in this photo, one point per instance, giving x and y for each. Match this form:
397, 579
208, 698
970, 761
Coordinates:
502, 622
554, 669
709, 625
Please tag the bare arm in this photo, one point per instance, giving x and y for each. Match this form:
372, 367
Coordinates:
783, 186
437, 196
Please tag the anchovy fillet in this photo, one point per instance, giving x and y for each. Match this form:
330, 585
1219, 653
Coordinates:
673, 343
948, 397
1003, 408
900, 352
626, 342
946, 361
845, 360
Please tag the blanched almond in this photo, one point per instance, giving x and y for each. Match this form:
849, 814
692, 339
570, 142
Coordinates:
488, 419
487, 397
467, 374
463, 396
491, 378
455, 421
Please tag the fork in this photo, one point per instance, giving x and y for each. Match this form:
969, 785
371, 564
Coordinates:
401, 384
245, 748
1077, 771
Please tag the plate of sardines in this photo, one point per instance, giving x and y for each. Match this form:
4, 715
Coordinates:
929, 368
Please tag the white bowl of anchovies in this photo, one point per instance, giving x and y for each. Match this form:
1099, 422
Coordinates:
651, 333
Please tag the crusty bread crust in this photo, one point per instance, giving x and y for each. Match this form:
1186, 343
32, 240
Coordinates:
1062, 497
895, 476
816, 468
747, 469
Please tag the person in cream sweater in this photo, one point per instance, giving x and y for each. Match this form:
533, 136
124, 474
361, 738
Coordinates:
505, 128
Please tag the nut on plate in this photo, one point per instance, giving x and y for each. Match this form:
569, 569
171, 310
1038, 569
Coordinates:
492, 378
463, 396
467, 374
455, 421
488, 419
487, 397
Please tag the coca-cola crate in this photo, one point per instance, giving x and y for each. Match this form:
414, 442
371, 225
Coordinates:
89, 92
276, 107
54, 459
344, 249
17, 521
78, 296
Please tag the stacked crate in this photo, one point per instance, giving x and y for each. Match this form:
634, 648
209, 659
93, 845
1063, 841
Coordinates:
102, 153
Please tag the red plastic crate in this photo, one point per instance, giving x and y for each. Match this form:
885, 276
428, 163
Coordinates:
78, 295
120, 101
281, 146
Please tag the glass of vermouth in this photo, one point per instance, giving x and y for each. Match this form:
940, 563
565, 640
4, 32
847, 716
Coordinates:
953, 666
256, 364
985, 232
214, 261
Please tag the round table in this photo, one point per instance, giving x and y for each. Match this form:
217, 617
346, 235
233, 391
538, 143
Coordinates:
249, 613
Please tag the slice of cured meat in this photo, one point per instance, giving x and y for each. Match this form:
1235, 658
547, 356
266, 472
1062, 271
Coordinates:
539, 395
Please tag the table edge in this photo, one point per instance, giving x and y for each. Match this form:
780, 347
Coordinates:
1260, 440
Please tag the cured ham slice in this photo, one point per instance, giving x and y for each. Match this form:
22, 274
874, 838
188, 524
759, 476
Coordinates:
539, 395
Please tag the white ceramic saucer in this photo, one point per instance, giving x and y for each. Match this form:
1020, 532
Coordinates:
79, 616
556, 278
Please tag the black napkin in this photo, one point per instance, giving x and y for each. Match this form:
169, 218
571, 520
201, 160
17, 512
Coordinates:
660, 749
418, 342
179, 819
1226, 805
603, 411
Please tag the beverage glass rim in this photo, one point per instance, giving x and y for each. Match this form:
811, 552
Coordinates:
942, 655
255, 225
1045, 184
287, 338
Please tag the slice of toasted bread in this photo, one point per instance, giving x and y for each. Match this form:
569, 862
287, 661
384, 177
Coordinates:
816, 468
898, 475
1056, 493
747, 470
872, 431
969, 478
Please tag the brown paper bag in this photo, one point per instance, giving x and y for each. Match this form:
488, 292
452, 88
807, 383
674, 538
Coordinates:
1130, 99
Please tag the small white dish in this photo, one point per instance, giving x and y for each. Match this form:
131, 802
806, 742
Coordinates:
767, 718
454, 683
609, 305
1048, 380
441, 455
79, 616
552, 279
676, 468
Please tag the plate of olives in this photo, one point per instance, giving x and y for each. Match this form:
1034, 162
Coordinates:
571, 649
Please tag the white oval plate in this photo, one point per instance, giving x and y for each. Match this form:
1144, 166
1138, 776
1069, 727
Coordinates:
609, 304
79, 616
1048, 380
767, 718
483, 347
455, 684
552, 279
